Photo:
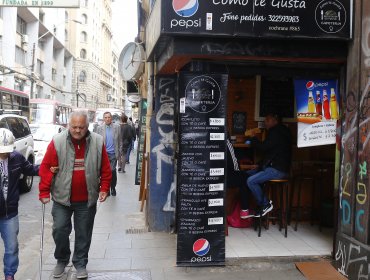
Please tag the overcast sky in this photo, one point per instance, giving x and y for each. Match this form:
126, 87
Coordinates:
124, 22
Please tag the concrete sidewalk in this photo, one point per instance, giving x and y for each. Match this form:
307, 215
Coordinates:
122, 248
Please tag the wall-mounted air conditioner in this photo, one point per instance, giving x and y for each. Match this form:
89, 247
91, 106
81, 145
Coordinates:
24, 39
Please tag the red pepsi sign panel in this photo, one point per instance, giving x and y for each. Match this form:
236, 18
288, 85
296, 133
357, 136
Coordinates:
201, 171
259, 18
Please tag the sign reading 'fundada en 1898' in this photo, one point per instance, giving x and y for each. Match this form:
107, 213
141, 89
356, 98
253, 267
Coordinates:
201, 170
259, 18
41, 3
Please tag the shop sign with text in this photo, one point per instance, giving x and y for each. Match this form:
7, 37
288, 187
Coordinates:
41, 3
259, 18
317, 112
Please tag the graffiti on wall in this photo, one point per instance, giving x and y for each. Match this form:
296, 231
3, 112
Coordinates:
163, 147
352, 258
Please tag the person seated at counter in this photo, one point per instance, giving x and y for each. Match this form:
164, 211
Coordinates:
276, 149
235, 176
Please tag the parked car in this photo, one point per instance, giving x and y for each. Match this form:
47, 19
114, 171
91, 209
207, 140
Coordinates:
23, 142
42, 135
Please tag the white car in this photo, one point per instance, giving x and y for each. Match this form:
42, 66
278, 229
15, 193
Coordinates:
42, 136
19, 126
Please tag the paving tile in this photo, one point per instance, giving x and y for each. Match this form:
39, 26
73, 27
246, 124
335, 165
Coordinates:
109, 264
169, 242
146, 263
142, 252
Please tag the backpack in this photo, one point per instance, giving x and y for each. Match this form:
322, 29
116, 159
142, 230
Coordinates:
234, 220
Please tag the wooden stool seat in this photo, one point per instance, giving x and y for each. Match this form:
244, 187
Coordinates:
279, 181
281, 187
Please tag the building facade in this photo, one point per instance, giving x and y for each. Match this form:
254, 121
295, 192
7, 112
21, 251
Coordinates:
95, 76
32, 44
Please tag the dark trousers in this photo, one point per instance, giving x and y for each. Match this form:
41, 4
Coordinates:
83, 221
113, 165
244, 191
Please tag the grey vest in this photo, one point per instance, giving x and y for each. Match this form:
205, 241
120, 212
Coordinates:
62, 183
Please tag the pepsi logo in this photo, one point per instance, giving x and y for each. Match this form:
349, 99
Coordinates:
310, 85
185, 8
201, 247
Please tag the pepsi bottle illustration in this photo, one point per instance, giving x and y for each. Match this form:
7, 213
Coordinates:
318, 103
326, 105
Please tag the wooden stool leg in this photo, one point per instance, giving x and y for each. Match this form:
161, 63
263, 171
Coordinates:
298, 212
259, 225
313, 201
292, 193
281, 211
286, 208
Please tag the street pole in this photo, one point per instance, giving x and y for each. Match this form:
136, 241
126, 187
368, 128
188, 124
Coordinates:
32, 69
77, 93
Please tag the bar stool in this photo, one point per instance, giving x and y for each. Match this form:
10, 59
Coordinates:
302, 177
278, 188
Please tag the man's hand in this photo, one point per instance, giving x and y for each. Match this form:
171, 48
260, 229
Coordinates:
103, 196
54, 169
45, 200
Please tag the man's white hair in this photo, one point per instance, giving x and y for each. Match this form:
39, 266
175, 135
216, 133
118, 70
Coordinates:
79, 113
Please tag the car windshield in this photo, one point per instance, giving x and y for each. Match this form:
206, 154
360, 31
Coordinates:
43, 133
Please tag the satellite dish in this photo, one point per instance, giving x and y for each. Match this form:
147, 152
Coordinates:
131, 61
135, 98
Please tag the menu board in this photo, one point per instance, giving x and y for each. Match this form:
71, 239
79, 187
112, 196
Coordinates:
277, 95
141, 141
239, 122
201, 171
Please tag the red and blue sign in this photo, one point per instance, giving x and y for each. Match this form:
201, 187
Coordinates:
185, 8
201, 247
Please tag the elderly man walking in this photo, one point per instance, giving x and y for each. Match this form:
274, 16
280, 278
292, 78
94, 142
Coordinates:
83, 178
111, 133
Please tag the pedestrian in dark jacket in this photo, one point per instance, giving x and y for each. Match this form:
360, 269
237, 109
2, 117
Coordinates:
276, 164
126, 141
133, 138
12, 165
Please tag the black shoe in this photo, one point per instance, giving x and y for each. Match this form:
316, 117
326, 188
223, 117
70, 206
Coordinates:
119, 169
113, 192
265, 210
127, 162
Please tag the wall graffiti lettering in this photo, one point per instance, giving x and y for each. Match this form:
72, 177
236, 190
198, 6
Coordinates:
162, 155
165, 121
352, 257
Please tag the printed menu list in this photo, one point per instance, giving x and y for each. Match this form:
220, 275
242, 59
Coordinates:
201, 179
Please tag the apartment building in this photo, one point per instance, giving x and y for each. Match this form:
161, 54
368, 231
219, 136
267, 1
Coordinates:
95, 72
32, 45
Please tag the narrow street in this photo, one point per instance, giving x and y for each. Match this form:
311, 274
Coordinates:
117, 254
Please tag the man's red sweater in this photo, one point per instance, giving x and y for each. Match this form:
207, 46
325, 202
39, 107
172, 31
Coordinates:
79, 187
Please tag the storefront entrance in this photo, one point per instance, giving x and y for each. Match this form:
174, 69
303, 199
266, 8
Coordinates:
252, 92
